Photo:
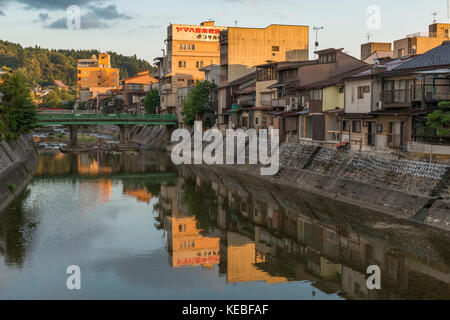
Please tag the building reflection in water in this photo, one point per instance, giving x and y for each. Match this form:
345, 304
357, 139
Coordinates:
262, 237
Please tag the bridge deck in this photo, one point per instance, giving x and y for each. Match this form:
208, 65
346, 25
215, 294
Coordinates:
96, 118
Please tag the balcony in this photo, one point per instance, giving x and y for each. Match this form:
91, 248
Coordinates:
281, 103
166, 87
437, 140
247, 101
404, 97
397, 97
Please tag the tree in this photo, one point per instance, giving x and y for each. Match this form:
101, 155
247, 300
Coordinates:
440, 119
112, 105
17, 110
198, 102
152, 101
52, 100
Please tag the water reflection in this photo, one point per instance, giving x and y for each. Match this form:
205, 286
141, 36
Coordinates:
278, 235
141, 228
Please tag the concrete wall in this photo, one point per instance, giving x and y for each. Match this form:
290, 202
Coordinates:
18, 162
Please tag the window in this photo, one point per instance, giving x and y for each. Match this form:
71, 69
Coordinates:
356, 126
379, 128
190, 82
182, 228
199, 64
79, 79
341, 89
85, 79
276, 48
327, 58
186, 46
256, 120
315, 94
360, 92
367, 89
346, 125
181, 64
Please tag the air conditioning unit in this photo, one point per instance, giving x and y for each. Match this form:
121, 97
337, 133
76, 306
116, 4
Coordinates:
294, 103
379, 105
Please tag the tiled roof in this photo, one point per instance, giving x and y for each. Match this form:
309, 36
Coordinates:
438, 56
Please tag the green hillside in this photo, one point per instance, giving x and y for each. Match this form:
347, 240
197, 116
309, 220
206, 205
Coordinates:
42, 66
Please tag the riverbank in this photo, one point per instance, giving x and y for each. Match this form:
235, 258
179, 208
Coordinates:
413, 190
18, 163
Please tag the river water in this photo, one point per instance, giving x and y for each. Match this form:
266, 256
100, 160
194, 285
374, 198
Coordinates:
139, 228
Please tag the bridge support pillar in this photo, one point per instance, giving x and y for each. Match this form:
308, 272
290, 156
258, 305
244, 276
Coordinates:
73, 136
124, 134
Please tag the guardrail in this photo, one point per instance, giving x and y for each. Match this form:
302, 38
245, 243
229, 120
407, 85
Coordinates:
107, 117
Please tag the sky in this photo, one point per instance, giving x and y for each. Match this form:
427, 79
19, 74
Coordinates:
140, 26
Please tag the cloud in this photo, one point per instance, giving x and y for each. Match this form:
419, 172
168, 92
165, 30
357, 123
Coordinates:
108, 13
51, 4
43, 17
2, 13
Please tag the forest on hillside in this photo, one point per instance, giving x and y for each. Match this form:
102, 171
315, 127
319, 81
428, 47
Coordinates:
42, 66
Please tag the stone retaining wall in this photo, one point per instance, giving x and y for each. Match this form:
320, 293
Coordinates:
18, 162
420, 178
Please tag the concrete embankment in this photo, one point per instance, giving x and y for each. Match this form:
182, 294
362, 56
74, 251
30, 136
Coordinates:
18, 163
412, 190
151, 136
417, 191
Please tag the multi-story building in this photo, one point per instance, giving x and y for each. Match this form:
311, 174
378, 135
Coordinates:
242, 49
96, 75
368, 49
422, 42
386, 107
135, 89
189, 48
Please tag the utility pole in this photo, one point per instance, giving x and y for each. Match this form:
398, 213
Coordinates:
316, 29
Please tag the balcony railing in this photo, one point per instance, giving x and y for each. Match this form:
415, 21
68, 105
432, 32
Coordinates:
246, 101
440, 140
398, 96
279, 103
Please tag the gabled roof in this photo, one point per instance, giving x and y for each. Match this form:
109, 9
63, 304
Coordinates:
241, 80
336, 79
438, 56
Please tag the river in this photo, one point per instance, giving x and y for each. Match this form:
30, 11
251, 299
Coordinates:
140, 228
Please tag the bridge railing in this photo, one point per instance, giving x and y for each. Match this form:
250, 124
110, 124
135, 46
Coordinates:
106, 117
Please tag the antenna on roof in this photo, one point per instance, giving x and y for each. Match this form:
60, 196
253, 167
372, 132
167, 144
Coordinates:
369, 35
434, 14
235, 22
316, 29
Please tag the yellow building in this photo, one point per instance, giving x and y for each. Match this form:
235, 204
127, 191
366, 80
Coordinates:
188, 247
242, 260
367, 49
96, 74
189, 48
419, 43
242, 50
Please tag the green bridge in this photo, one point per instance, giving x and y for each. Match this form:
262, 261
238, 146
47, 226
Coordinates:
98, 119
123, 120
